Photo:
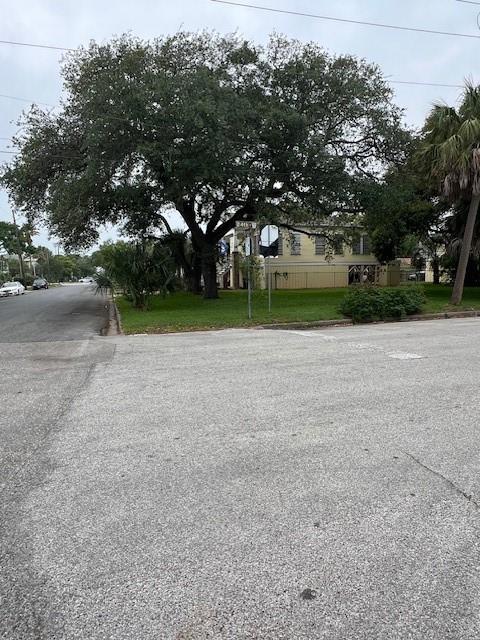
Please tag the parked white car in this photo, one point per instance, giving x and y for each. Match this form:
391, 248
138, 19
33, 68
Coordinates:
12, 289
87, 280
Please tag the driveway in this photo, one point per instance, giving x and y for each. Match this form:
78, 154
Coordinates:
272, 485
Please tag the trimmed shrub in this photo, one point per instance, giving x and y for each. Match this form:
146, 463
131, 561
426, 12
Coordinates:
367, 304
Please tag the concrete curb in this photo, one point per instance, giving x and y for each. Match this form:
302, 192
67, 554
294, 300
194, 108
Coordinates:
443, 316
448, 315
117, 318
341, 322
114, 324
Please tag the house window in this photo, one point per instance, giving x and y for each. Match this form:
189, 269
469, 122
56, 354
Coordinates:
367, 247
320, 245
295, 245
361, 247
337, 245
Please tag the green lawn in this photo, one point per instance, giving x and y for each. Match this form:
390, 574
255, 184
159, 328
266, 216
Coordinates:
184, 312
438, 297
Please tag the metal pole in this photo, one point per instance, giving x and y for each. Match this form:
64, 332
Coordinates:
20, 257
249, 278
269, 273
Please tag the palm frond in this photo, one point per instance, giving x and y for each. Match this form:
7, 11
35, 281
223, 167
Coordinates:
450, 152
441, 123
469, 132
470, 107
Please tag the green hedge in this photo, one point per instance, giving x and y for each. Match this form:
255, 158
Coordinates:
367, 304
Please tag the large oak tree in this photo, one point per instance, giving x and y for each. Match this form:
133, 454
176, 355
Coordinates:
215, 127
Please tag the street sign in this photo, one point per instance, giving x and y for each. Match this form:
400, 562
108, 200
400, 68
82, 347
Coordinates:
269, 241
269, 238
246, 224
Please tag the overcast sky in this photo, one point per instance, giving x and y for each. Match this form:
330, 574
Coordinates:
34, 73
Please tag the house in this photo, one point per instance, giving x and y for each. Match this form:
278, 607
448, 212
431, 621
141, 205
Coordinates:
312, 261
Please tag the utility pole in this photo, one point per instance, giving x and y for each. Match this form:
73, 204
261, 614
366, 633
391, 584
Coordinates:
19, 247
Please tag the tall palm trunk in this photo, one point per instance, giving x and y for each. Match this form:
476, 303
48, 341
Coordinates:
465, 251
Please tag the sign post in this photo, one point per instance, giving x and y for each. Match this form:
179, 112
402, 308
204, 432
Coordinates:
248, 226
248, 253
269, 249
269, 275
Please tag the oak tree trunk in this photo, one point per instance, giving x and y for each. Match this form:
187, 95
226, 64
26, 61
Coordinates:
193, 275
436, 271
209, 272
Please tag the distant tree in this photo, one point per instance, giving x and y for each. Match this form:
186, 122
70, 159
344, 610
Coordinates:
13, 266
217, 128
43, 256
8, 238
16, 240
401, 212
83, 265
63, 268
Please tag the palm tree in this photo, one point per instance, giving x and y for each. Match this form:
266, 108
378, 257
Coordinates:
451, 154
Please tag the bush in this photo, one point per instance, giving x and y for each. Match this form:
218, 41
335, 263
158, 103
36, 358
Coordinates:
367, 304
27, 280
139, 269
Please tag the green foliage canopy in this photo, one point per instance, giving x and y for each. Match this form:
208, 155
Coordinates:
214, 127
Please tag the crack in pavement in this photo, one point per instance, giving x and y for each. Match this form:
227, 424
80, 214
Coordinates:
456, 488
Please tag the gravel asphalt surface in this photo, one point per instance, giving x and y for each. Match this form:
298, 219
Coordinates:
248, 484
47, 353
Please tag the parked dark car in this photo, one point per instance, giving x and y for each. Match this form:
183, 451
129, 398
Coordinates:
40, 283
417, 276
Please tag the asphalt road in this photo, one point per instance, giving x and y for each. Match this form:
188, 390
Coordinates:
48, 349
267, 485
69, 312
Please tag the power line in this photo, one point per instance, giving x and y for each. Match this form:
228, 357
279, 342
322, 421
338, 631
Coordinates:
56, 157
468, 2
350, 21
407, 82
36, 46
47, 104
428, 84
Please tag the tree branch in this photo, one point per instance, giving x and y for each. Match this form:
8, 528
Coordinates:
228, 225
165, 222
